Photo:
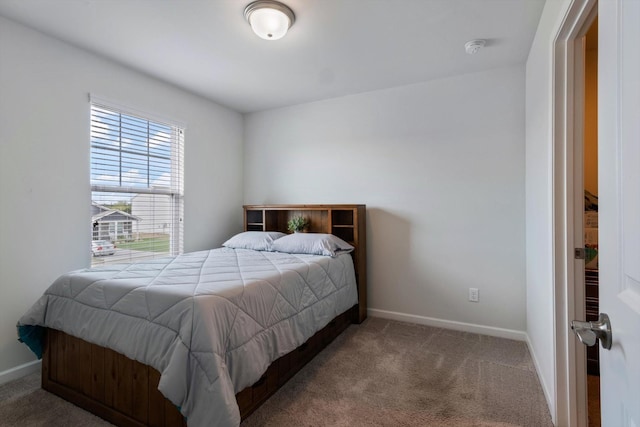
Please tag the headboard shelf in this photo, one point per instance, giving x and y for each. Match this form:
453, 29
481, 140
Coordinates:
343, 220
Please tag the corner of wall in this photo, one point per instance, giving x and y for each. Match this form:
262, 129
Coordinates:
548, 395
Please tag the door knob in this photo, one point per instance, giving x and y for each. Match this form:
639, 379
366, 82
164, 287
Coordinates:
589, 332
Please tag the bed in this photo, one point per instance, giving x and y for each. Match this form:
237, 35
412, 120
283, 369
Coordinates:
215, 331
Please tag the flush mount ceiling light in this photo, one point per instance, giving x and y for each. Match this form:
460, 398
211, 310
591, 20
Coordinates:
270, 20
473, 46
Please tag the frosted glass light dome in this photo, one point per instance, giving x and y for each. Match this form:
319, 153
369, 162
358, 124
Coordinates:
270, 20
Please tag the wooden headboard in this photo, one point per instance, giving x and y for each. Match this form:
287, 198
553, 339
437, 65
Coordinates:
344, 221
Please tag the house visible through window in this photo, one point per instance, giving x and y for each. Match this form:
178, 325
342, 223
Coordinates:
136, 186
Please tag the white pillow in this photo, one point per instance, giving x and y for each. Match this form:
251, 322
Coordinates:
255, 240
311, 243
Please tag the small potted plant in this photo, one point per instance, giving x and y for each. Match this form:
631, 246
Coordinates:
297, 223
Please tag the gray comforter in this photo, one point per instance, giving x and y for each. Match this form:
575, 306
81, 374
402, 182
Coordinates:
210, 322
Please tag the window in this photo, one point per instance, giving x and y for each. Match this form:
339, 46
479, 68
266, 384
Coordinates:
136, 186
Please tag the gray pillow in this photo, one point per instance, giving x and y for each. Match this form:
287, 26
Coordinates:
311, 243
255, 240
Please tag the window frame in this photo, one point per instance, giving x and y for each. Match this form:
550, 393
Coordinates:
174, 191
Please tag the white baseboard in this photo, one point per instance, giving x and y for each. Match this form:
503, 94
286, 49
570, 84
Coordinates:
545, 389
20, 371
449, 324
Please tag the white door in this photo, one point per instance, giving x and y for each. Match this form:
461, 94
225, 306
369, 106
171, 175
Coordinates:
619, 207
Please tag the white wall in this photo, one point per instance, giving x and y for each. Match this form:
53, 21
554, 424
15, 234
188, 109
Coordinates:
440, 166
44, 165
539, 198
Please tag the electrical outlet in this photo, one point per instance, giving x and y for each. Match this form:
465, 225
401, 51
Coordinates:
474, 295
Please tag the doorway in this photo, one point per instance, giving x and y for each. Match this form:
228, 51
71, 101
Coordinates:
569, 202
590, 279
618, 222
584, 168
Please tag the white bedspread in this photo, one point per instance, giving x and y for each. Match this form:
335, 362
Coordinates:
210, 322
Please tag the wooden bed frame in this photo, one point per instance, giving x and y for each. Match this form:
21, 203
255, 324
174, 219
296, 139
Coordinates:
125, 392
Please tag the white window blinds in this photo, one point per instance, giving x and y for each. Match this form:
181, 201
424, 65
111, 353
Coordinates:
136, 186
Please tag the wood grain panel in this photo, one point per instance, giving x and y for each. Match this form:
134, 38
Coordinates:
97, 373
47, 356
244, 399
61, 366
156, 400
172, 417
84, 366
140, 391
110, 377
74, 365
123, 400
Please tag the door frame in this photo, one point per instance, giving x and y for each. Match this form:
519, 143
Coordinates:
568, 125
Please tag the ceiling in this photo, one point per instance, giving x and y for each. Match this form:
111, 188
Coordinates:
335, 47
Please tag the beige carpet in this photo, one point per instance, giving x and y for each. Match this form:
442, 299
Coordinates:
380, 373
24, 403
